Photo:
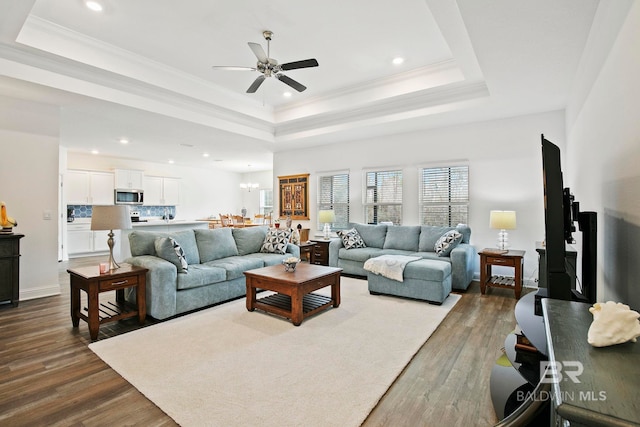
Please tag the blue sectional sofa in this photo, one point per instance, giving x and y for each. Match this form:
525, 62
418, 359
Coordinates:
406, 240
215, 262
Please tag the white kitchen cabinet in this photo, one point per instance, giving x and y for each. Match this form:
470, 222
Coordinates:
129, 179
89, 188
171, 191
81, 240
161, 191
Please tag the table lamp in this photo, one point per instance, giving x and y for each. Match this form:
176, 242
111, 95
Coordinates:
327, 217
110, 218
503, 221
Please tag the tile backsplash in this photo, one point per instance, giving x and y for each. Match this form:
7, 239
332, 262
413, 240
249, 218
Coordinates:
84, 211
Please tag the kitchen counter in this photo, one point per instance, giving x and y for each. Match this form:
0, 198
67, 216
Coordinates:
171, 222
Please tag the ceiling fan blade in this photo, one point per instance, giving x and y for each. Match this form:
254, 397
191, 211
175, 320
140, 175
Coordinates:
258, 51
289, 81
307, 63
256, 84
233, 68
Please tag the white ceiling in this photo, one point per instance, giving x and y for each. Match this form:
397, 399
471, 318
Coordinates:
142, 70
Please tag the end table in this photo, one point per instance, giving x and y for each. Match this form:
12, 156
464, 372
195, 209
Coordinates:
512, 258
90, 280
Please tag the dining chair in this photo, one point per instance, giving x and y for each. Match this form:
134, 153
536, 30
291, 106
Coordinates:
238, 220
226, 220
258, 218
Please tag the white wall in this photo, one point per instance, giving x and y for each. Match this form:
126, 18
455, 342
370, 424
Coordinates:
29, 177
603, 156
251, 199
505, 172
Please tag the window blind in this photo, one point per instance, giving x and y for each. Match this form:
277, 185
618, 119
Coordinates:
383, 197
333, 194
444, 195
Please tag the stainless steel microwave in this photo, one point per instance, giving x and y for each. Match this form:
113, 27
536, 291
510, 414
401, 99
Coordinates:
126, 196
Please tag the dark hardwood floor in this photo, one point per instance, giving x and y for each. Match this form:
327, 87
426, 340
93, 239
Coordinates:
48, 375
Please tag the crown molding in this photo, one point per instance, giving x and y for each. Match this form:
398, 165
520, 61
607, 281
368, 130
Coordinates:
415, 104
375, 85
29, 64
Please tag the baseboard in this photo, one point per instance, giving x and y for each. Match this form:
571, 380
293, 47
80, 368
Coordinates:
40, 292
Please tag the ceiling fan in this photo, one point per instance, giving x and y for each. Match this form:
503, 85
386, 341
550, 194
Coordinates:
269, 67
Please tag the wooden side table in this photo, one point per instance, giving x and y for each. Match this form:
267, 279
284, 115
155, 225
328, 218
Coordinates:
512, 258
320, 254
306, 250
93, 283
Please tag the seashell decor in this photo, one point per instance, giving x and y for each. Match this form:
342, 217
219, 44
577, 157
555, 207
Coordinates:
613, 323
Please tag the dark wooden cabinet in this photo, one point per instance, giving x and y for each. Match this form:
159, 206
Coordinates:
10, 268
320, 253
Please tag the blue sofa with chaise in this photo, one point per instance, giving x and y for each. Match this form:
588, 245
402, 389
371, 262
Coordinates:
431, 278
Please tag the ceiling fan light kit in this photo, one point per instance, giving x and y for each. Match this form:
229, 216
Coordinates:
269, 67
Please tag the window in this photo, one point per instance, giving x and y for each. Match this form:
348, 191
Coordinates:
444, 195
383, 197
333, 193
266, 201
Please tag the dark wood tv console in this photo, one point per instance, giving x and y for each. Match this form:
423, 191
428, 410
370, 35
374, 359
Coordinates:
592, 386
608, 387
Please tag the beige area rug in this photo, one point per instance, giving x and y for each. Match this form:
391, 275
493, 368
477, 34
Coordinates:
225, 366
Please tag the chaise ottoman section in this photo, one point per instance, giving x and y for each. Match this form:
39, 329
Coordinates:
425, 279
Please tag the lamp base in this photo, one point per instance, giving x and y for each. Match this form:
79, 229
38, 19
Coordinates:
326, 231
503, 239
113, 265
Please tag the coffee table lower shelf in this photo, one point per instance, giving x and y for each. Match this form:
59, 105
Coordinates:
280, 304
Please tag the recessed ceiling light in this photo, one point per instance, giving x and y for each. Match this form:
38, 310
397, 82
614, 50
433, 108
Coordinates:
287, 94
205, 154
171, 162
94, 5
124, 141
397, 61
95, 152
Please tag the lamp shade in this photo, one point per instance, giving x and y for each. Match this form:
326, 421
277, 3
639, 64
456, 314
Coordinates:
110, 218
327, 216
502, 220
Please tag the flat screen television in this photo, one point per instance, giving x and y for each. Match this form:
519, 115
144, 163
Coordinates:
560, 212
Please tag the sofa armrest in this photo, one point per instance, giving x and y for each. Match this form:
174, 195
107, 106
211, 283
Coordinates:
161, 286
334, 248
294, 250
463, 260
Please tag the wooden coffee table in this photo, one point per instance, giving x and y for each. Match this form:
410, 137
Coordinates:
294, 298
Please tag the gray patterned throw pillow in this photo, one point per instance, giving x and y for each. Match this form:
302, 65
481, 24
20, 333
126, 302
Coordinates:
276, 241
167, 248
447, 242
351, 239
